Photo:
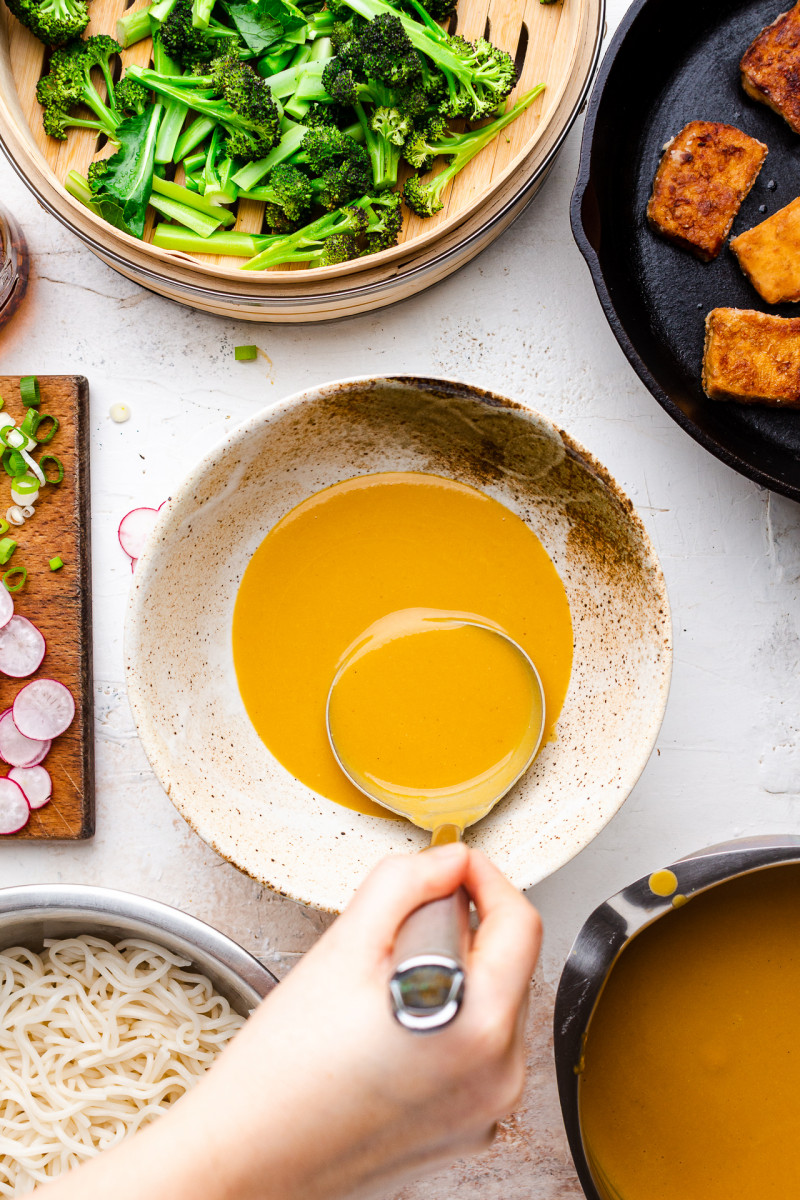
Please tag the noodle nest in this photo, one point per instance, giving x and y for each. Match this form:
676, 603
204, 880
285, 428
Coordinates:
96, 1040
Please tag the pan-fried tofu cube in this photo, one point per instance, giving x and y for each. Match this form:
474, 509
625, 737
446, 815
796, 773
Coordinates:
703, 177
752, 357
769, 255
771, 67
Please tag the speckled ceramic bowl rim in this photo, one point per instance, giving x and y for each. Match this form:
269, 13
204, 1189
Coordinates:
634, 763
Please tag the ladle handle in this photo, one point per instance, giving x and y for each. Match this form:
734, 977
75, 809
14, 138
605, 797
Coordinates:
427, 985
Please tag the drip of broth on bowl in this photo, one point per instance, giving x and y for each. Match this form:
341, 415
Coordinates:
688, 1078
358, 551
436, 715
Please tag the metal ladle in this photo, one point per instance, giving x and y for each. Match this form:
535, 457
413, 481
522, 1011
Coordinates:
427, 984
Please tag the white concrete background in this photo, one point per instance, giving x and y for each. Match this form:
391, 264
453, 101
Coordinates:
524, 320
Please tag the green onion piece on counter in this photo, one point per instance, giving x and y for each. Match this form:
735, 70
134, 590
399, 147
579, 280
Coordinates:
56, 563
51, 429
2, 402
4, 526
19, 575
245, 353
26, 485
29, 391
7, 548
59, 467
30, 422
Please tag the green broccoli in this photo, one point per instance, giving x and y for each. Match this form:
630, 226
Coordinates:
53, 22
232, 96
121, 185
187, 43
425, 198
340, 165
333, 238
69, 83
289, 196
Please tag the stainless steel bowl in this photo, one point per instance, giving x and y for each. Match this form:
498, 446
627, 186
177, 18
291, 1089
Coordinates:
33, 912
606, 933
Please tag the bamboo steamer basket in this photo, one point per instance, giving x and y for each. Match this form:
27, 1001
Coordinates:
557, 44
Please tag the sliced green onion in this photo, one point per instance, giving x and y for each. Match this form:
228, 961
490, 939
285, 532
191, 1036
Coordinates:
12, 574
29, 390
33, 466
9, 432
59, 467
2, 401
4, 526
7, 548
25, 485
51, 431
14, 463
245, 353
30, 423
56, 563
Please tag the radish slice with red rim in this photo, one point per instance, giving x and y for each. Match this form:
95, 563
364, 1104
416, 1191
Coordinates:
43, 709
18, 750
6, 606
14, 808
134, 530
35, 783
22, 647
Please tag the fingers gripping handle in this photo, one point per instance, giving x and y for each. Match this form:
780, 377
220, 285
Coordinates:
427, 986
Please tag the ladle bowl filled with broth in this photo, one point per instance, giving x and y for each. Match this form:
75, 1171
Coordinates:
337, 508
676, 1030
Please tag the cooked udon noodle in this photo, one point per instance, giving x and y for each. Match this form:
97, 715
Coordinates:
96, 1040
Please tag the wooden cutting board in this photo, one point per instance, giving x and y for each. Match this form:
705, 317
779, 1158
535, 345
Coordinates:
59, 602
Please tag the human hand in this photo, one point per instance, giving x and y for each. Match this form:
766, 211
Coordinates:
336, 1097
323, 1095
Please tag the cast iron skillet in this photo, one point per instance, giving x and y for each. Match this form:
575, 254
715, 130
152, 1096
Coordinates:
672, 61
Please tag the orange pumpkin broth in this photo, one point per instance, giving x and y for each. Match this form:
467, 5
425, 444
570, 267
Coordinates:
687, 1084
355, 553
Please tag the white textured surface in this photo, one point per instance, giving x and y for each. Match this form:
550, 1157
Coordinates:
522, 319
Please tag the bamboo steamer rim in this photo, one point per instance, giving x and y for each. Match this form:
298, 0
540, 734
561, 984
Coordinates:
129, 254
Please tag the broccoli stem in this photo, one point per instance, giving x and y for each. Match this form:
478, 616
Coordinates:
191, 138
201, 13
230, 243
286, 83
199, 222
170, 130
252, 173
78, 186
383, 155
181, 195
134, 26
161, 10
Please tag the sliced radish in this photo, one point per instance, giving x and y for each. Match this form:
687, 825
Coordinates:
14, 808
22, 647
6, 606
35, 783
134, 529
43, 709
18, 750
133, 564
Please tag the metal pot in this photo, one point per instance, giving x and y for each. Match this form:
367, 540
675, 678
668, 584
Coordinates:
606, 933
33, 912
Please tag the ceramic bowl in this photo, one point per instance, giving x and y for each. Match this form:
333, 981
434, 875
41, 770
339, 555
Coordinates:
608, 931
181, 680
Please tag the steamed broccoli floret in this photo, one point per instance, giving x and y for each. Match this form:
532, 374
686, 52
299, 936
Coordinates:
385, 133
330, 115
333, 238
68, 83
386, 221
131, 98
425, 198
437, 10
289, 196
243, 104
385, 52
478, 77
53, 22
187, 43
341, 166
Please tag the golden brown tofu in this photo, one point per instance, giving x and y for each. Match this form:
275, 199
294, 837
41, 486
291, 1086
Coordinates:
704, 175
771, 67
752, 357
769, 255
